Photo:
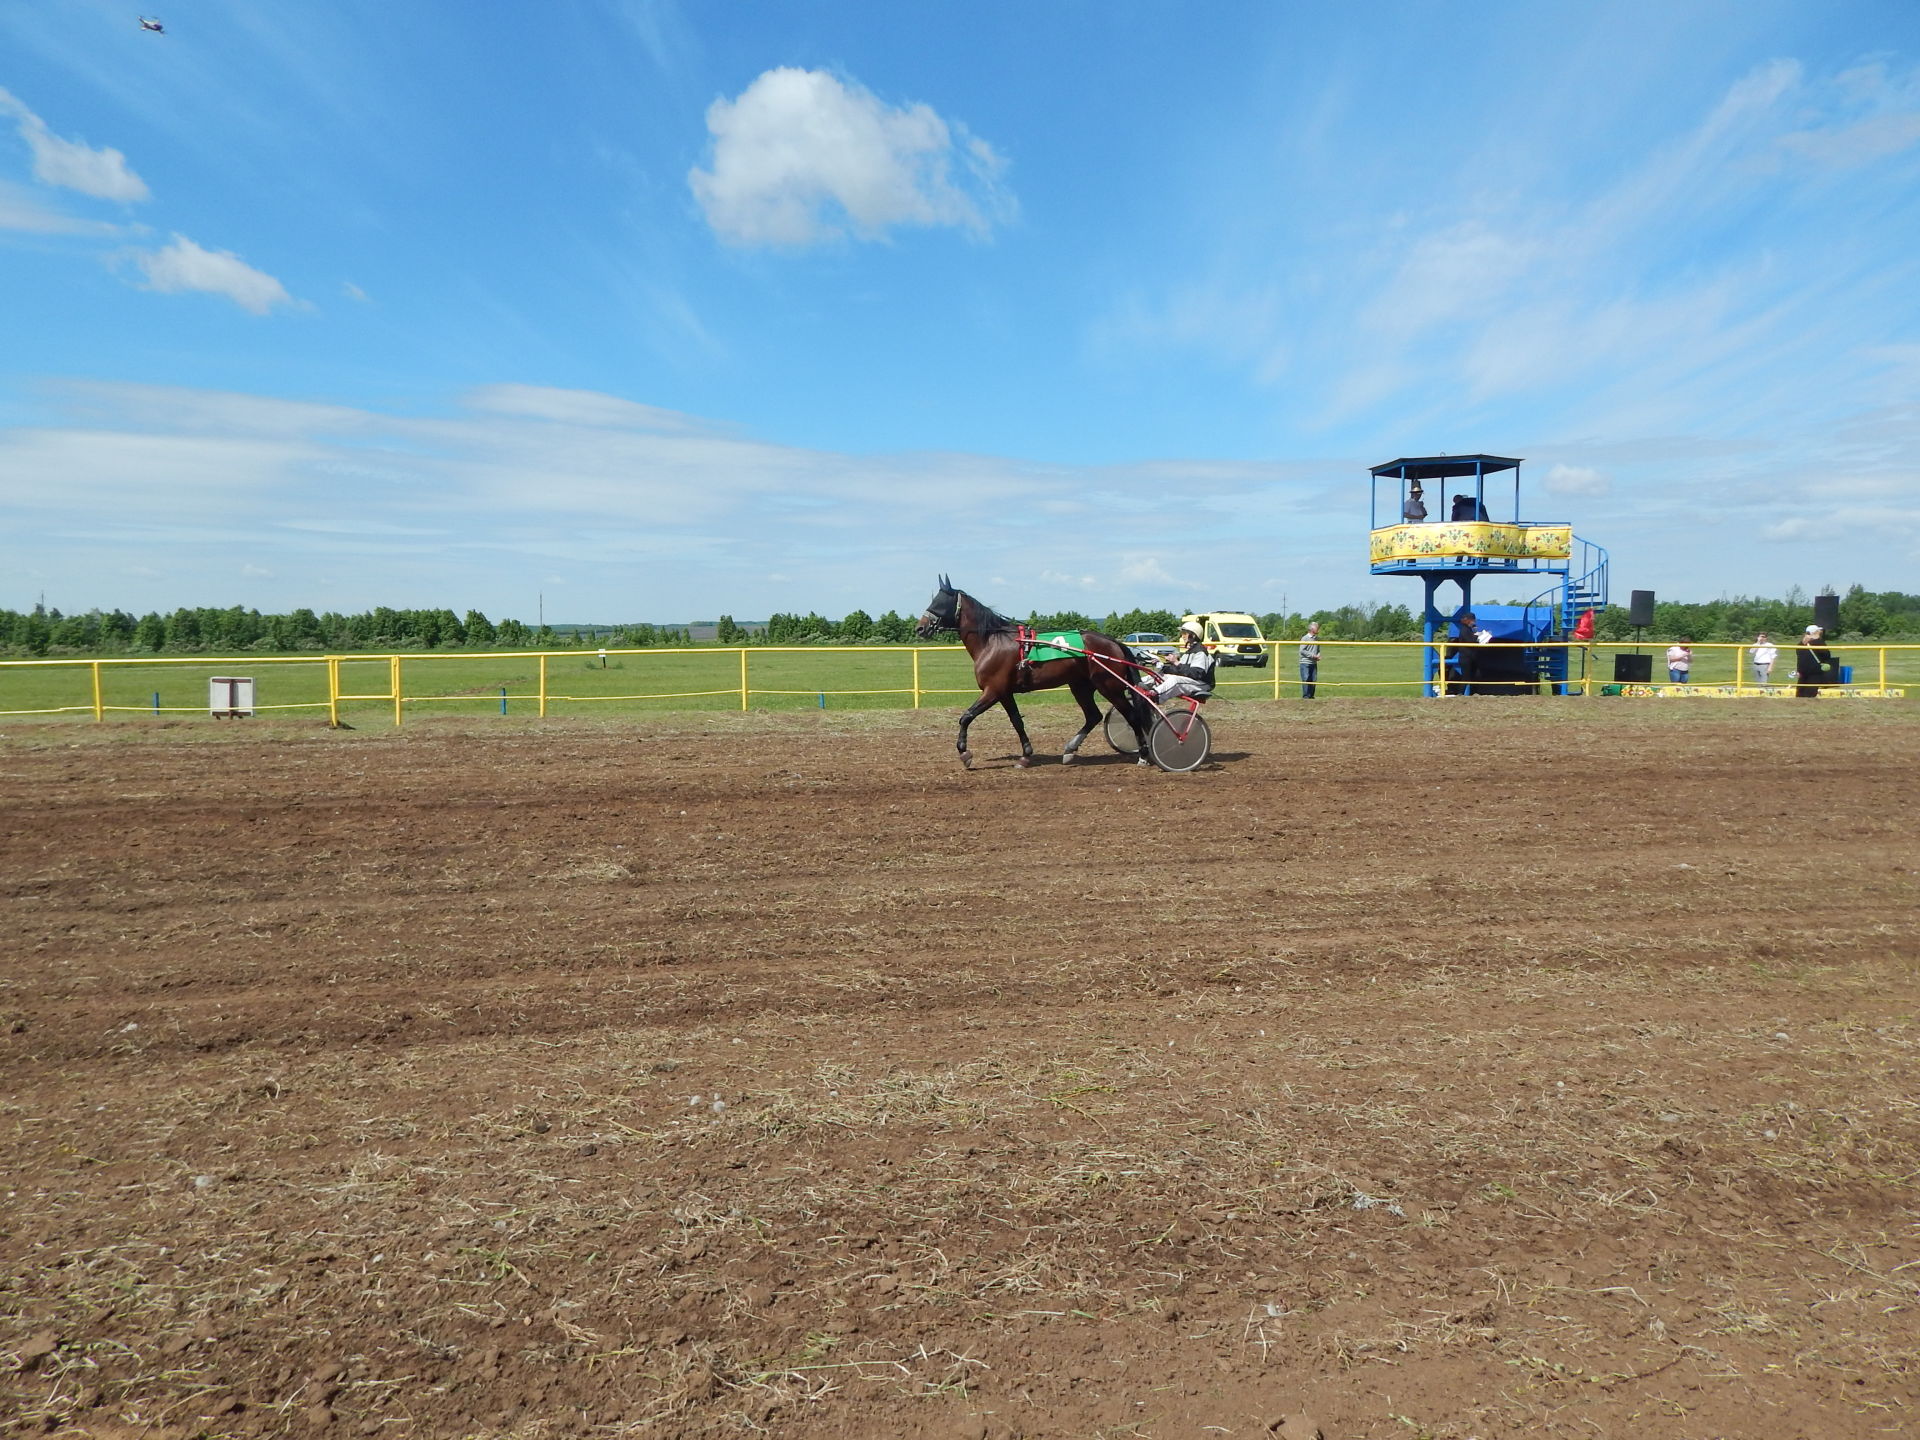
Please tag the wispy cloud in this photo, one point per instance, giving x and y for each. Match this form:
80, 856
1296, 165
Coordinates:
1698, 279
185, 266
23, 211
590, 479
73, 164
802, 156
1576, 480
1871, 114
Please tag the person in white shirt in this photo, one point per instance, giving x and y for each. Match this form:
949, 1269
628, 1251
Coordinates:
1680, 661
1763, 654
1191, 671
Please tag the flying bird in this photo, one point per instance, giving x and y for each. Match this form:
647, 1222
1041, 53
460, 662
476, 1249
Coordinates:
153, 25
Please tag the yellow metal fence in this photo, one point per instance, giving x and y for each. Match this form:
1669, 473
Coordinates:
540, 682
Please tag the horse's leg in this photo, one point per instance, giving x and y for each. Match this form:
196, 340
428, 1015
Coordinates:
1020, 729
1129, 704
1083, 692
967, 717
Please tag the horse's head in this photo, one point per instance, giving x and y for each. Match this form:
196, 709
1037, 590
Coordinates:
942, 612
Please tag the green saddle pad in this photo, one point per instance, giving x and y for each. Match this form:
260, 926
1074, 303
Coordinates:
1046, 645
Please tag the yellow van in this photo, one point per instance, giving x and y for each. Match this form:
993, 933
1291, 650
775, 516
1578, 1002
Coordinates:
1233, 637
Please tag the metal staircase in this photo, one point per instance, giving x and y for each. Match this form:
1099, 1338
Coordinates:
1583, 587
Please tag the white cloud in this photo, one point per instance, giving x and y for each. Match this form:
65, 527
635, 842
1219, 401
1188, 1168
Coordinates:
184, 265
1147, 570
576, 407
353, 291
73, 164
21, 211
658, 514
1880, 116
800, 155
1859, 144
1576, 480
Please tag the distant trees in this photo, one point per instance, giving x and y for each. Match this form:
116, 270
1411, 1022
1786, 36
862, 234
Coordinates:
858, 628
189, 631
1889, 615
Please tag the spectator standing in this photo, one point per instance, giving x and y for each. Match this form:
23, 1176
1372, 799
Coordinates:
1763, 654
1415, 510
1466, 662
1310, 660
1680, 661
1812, 664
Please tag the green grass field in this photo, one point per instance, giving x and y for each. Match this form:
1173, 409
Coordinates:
835, 677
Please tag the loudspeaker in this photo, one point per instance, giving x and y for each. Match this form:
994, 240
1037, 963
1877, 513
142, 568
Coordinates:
1640, 608
1633, 669
1826, 612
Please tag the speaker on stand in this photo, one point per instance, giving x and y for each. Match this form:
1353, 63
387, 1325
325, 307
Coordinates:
1640, 616
1826, 613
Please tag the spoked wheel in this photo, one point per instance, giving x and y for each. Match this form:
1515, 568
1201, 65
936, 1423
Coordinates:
1120, 734
1179, 741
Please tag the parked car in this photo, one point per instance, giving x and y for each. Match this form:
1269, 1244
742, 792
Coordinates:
1149, 645
1232, 635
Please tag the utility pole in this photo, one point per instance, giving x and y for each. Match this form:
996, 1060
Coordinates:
542, 604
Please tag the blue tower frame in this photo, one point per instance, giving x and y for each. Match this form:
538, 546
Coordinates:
1474, 539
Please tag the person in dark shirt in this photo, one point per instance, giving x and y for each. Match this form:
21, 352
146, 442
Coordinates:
1813, 664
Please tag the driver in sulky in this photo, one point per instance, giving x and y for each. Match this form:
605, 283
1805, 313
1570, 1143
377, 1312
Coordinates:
1191, 671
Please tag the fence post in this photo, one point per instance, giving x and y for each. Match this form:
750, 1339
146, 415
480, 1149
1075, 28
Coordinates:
99, 710
1882, 652
393, 663
543, 685
916, 673
743, 677
333, 692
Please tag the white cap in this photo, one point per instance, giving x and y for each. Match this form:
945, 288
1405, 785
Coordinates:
1812, 630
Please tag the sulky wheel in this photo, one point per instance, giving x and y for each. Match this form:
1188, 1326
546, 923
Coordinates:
1179, 741
1120, 734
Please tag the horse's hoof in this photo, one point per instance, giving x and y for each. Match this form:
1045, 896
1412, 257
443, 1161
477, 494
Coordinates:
1067, 759
966, 759
1145, 762
1024, 761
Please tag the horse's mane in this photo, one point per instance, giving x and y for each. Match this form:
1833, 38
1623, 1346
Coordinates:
992, 622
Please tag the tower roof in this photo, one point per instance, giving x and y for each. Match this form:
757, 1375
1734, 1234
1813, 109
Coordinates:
1440, 467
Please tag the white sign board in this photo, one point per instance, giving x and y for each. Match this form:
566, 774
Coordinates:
230, 696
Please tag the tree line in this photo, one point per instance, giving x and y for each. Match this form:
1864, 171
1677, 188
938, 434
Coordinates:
1888, 615
205, 630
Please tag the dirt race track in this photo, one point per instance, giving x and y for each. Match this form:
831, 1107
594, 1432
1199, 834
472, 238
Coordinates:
1494, 1069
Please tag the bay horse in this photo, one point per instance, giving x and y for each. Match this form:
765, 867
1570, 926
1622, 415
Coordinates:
1001, 671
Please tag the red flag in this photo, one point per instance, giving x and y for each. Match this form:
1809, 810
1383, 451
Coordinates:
1583, 628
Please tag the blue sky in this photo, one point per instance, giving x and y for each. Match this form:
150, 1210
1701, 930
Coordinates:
667, 310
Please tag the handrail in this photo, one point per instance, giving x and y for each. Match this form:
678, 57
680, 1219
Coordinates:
1723, 668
